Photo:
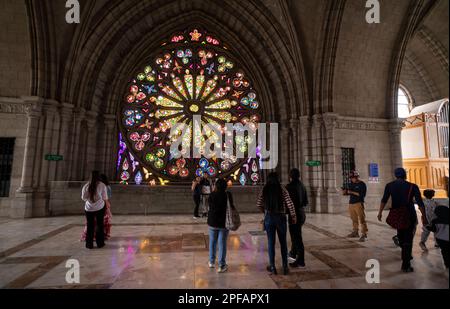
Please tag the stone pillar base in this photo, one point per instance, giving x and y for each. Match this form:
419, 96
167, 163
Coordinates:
334, 202
22, 205
324, 201
40, 207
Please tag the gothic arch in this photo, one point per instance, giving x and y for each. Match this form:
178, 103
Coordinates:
417, 12
258, 41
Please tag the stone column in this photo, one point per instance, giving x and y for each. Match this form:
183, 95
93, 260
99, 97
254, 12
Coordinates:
49, 110
91, 143
284, 151
79, 116
66, 116
316, 172
40, 196
329, 166
23, 204
109, 156
304, 128
304, 146
295, 149
395, 130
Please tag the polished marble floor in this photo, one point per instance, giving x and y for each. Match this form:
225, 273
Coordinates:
162, 251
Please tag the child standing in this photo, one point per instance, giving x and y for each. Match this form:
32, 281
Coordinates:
430, 206
439, 226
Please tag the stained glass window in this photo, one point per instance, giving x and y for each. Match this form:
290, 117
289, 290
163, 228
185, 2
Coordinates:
193, 75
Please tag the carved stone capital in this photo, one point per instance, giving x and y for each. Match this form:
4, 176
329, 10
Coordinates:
396, 126
330, 120
317, 121
80, 114
293, 124
91, 119
305, 122
66, 111
109, 120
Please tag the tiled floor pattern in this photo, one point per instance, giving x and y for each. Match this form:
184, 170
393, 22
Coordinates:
163, 251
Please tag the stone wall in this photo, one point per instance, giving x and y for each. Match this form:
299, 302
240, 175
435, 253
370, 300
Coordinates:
65, 199
15, 49
315, 63
13, 125
372, 145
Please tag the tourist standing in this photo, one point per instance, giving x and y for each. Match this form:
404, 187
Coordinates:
297, 193
430, 206
274, 201
403, 194
196, 195
357, 191
95, 196
218, 233
107, 219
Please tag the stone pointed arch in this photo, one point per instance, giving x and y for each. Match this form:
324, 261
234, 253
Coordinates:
417, 12
242, 25
325, 58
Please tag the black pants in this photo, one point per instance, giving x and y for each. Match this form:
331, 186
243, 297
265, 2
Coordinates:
197, 204
444, 246
298, 249
405, 239
94, 218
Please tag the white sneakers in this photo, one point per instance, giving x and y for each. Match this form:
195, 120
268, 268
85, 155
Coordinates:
221, 269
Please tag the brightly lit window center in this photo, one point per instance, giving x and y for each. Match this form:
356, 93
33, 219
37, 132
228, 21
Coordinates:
194, 108
403, 104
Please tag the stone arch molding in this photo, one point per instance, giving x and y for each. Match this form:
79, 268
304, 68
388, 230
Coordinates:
118, 46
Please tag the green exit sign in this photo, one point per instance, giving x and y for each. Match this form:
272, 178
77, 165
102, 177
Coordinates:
53, 157
311, 163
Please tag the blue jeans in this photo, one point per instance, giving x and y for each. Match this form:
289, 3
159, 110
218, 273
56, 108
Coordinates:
221, 235
276, 224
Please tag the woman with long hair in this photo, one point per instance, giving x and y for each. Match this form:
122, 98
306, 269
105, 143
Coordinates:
95, 196
274, 201
107, 219
218, 233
